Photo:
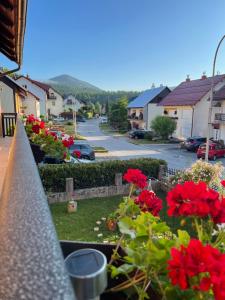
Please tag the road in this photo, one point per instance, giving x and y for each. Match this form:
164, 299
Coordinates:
119, 147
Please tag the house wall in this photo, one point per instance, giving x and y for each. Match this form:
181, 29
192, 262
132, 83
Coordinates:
39, 92
153, 110
31, 106
55, 106
76, 104
7, 98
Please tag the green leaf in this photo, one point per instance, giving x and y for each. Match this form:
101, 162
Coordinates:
184, 237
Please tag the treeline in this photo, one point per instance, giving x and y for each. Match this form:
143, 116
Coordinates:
95, 96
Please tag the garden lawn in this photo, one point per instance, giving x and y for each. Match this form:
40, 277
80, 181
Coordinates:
79, 226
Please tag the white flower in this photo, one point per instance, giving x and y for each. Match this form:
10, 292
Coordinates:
105, 242
98, 222
103, 219
100, 235
96, 228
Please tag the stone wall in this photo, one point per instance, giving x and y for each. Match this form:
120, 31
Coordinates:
97, 192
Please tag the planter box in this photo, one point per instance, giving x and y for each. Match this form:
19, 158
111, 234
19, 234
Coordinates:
68, 247
37, 153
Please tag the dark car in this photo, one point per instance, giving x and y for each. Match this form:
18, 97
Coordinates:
81, 119
193, 143
138, 134
86, 151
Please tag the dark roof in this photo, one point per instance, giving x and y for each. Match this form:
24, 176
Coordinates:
42, 85
12, 28
146, 97
190, 92
219, 95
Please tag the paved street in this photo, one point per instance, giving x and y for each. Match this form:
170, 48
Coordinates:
120, 148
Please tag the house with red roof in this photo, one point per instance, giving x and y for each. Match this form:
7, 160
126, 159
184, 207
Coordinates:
188, 105
51, 102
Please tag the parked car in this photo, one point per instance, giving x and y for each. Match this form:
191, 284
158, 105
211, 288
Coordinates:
59, 119
80, 119
215, 150
138, 134
103, 120
86, 151
193, 143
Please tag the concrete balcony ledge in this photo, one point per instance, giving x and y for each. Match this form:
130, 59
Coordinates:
32, 265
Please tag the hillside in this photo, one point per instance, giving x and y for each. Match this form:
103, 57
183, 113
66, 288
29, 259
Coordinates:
67, 84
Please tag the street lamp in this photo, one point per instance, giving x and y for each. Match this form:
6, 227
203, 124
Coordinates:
211, 101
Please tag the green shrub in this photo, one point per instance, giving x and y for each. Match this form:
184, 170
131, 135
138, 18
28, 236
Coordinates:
94, 174
69, 123
149, 135
163, 126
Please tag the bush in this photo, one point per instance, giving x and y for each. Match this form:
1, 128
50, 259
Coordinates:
163, 126
69, 123
94, 174
149, 135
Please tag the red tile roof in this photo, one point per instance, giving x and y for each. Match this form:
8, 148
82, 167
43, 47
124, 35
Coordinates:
42, 85
190, 92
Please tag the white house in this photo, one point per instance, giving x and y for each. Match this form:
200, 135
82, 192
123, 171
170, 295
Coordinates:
37, 90
30, 105
143, 109
188, 104
71, 103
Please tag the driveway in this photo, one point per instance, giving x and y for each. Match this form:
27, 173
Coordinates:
119, 147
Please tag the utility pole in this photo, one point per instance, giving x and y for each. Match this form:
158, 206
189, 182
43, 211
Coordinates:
211, 101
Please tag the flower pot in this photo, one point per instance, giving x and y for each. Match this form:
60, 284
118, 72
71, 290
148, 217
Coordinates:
111, 224
72, 206
37, 153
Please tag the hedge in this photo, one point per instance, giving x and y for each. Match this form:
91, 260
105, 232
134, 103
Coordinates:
94, 174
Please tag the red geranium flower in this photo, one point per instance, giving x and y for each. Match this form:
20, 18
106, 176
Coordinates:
36, 128
77, 153
136, 177
205, 263
148, 201
223, 183
195, 199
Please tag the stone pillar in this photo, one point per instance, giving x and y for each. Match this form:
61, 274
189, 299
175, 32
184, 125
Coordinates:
118, 179
162, 169
69, 188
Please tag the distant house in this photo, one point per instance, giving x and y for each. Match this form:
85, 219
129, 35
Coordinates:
71, 103
30, 105
188, 104
51, 102
143, 109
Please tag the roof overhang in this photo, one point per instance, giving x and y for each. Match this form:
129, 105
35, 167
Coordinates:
12, 28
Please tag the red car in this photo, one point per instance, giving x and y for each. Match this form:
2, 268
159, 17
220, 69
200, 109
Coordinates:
215, 150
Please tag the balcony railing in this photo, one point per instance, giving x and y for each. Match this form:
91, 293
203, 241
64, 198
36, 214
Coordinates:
52, 97
32, 265
220, 117
8, 124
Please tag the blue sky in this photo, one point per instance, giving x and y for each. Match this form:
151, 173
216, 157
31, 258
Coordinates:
123, 44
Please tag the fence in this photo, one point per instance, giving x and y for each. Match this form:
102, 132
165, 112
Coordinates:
8, 123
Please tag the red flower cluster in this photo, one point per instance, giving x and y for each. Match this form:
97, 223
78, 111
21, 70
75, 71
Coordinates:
136, 177
223, 183
149, 202
196, 199
204, 263
37, 125
76, 153
69, 142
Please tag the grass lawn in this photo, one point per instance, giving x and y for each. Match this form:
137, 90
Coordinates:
107, 129
100, 150
146, 142
79, 226
69, 129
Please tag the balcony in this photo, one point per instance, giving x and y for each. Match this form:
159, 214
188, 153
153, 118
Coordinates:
52, 97
220, 117
32, 265
136, 118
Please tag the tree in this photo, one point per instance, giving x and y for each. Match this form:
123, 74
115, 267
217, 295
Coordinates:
163, 126
118, 114
98, 108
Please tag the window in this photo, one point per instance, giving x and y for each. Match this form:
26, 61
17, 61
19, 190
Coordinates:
25, 86
53, 103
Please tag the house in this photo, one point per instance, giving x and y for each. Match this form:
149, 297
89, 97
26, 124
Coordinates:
218, 115
30, 105
71, 103
51, 102
188, 104
143, 109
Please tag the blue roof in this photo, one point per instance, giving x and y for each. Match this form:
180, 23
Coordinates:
146, 97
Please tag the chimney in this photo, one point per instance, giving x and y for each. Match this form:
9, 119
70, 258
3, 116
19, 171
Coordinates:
28, 76
204, 75
153, 85
188, 78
